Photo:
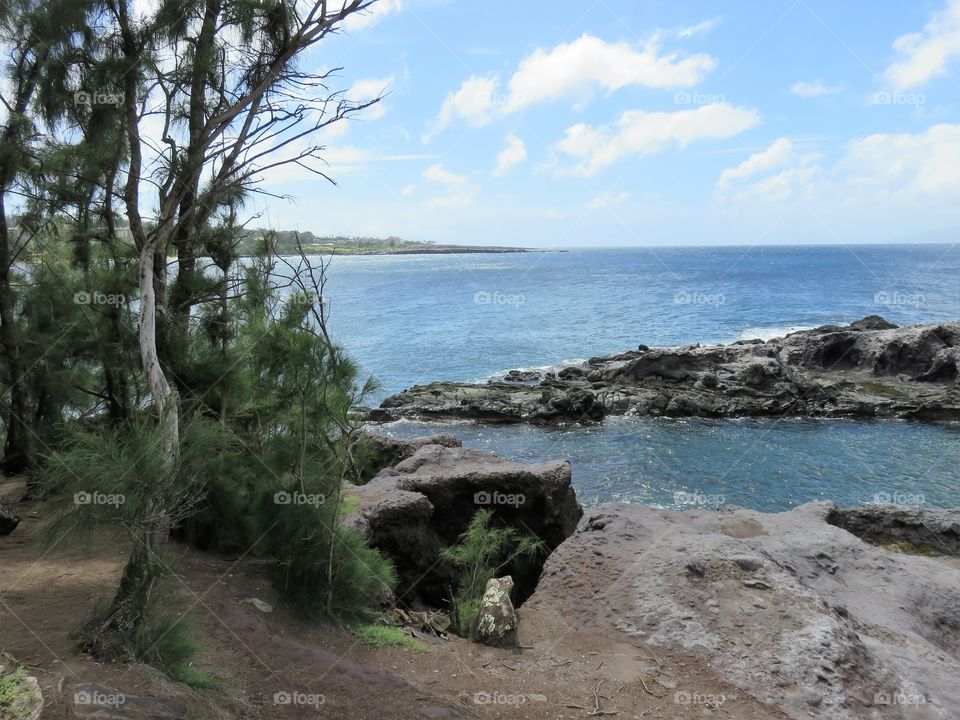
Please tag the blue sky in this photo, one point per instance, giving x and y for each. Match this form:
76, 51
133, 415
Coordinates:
642, 123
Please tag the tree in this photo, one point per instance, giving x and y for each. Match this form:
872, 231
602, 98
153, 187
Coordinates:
222, 78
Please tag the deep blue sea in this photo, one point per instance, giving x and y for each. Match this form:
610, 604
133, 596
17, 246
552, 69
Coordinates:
414, 319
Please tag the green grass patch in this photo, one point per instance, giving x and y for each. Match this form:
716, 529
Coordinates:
170, 644
875, 388
13, 695
901, 545
387, 636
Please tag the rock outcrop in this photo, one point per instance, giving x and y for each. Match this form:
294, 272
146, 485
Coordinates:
103, 703
868, 369
424, 503
8, 520
390, 450
497, 619
790, 607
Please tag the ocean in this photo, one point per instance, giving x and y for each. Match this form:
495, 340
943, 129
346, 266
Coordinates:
410, 320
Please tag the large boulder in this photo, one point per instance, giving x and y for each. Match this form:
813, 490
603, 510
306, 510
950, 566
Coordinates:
424, 503
789, 607
389, 451
103, 703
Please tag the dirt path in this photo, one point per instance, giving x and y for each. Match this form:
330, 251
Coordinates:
45, 593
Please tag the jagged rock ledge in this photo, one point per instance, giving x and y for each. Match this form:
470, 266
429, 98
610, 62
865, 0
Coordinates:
868, 369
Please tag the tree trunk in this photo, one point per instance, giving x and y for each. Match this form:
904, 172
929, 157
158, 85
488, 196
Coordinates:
19, 452
164, 398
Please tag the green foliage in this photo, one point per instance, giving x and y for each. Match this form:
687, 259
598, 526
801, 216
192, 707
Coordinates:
387, 636
13, 695
324, 568
260, 396
120, 476
480, 554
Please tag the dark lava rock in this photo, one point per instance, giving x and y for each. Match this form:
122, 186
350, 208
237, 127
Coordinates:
423, 504
8, 520
868, 369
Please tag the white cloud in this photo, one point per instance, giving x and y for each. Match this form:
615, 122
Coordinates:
376, 12
817, 88
366, 90
904, 169
514, 153
923, 164
460, 191
778, 174
641, 133
473, 102
571, 69
777, 155
407, 190
576, 67
925, 55
606, 199
698, 29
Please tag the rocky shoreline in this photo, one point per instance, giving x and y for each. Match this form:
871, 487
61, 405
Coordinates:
868, 369
820, 611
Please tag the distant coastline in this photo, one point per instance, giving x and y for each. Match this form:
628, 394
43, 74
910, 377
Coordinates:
287, 242
420, 249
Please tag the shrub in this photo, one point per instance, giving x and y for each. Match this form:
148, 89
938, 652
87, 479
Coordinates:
322, 567
480, 554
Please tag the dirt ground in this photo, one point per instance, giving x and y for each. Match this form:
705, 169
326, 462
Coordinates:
559, 672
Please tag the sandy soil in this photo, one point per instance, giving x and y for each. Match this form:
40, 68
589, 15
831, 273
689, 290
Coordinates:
560, 672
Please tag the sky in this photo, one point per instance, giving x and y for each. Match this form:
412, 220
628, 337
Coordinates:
639, 122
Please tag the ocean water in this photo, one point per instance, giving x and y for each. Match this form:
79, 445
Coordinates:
415, 319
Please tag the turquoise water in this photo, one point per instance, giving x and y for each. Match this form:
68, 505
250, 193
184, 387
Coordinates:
415, 319
763, 464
